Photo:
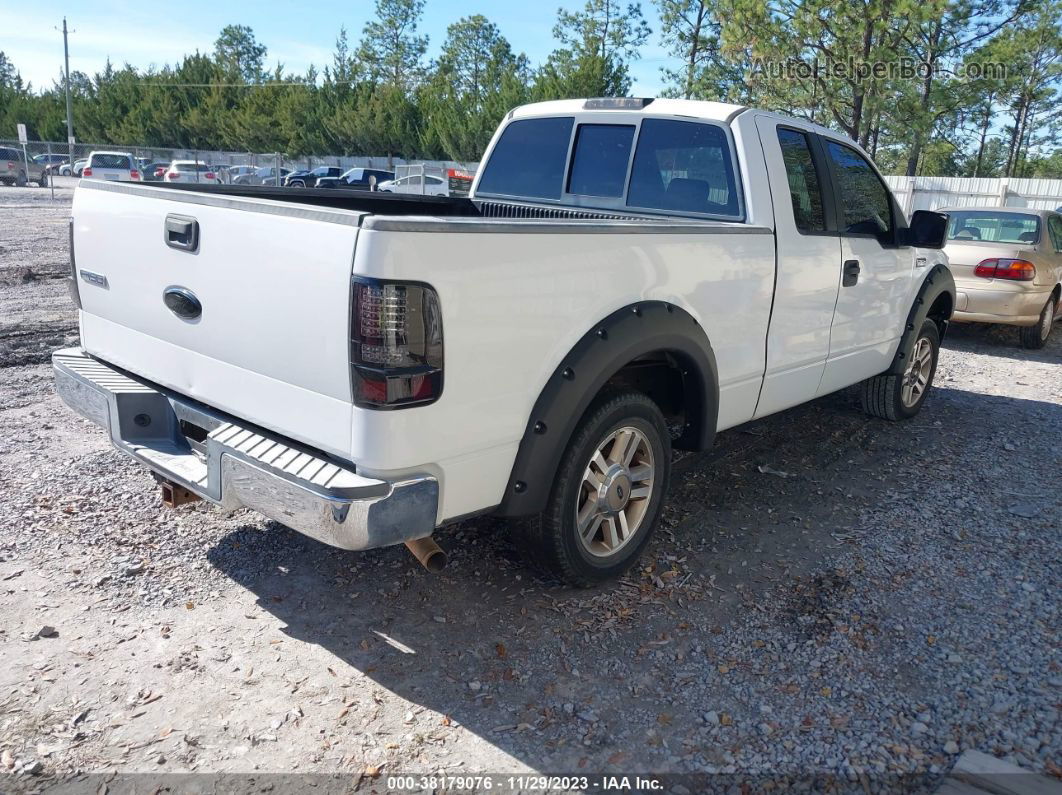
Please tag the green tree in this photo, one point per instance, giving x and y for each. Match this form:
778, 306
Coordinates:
477, 79
690, 31
833, 47
391, 52
597, 45
238, 52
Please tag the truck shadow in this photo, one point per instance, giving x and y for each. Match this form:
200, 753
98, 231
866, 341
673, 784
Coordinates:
1001, 341
562, 679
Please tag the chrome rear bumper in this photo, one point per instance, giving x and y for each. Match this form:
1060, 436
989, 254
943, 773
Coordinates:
235, 466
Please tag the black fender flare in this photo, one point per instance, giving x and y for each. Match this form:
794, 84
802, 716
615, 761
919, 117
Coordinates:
937, 282
635, 330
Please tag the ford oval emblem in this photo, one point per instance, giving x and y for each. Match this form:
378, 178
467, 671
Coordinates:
182, 302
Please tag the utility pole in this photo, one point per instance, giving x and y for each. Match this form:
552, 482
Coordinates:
69, 109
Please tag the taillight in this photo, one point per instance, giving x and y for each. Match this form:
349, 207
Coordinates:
1016, 270
160, 171
134, 174
75, 292
86, 172
209, 175
396, 344
10, 165
173, 175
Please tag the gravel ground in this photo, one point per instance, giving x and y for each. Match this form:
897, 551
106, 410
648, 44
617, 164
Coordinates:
834, 602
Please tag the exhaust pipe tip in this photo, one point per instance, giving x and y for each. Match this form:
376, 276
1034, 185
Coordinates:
428, 553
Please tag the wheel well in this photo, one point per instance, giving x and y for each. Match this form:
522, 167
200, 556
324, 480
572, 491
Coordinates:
662, 377
940, 311
1057, 293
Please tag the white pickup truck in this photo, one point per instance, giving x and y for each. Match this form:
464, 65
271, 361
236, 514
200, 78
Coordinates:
627, 276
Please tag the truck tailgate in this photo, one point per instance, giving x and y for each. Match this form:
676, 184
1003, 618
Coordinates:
273, 281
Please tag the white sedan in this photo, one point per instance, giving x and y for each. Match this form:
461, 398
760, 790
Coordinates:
191, 171
426, 185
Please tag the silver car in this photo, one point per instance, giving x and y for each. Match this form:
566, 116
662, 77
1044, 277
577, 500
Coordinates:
1007, 264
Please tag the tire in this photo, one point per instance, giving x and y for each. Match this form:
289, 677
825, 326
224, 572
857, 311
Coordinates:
43, 181
1035, 337
896, 397
20, 180
297, 184
552, 541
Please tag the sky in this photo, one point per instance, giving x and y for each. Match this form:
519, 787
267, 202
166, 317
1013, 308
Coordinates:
297, 34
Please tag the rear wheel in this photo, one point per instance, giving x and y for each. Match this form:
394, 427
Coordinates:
43, 181
608, 492
1035, 337
900, 397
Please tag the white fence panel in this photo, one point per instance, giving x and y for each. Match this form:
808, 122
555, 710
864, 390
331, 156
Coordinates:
930, 193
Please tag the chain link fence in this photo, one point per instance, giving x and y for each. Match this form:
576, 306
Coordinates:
228, 165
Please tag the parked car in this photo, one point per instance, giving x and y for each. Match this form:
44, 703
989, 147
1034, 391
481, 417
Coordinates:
422, 185
266, 175
14, 170
621, 268
190, 171
1007, 264
357, 179
233, 172
308, 179
155, 171
68, 170
113, 166
50, 162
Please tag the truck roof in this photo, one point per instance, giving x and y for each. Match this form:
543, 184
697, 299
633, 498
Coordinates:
714, 111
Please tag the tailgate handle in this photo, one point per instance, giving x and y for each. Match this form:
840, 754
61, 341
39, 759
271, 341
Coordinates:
851, 273
182, 232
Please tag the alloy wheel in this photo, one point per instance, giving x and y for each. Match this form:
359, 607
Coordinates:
615, 492
916, 376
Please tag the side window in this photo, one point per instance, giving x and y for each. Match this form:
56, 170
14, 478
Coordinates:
599, 159
804, 189
529, 159
864, 197
1054, 223
683, 166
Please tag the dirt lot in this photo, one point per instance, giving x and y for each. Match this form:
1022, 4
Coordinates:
834, 601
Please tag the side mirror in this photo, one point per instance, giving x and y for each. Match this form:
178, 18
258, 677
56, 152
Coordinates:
927, 230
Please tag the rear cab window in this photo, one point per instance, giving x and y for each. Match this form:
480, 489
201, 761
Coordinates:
651, 165
599, 159
529, 159
685, 167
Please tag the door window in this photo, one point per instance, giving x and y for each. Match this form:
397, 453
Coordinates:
805, 191
863, 196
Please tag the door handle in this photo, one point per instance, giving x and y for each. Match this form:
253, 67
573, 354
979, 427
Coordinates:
181, 232
850, 275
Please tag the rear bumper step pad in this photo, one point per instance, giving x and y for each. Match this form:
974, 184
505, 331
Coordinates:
237, 466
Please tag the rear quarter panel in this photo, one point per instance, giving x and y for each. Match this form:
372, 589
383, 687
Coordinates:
515, 303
